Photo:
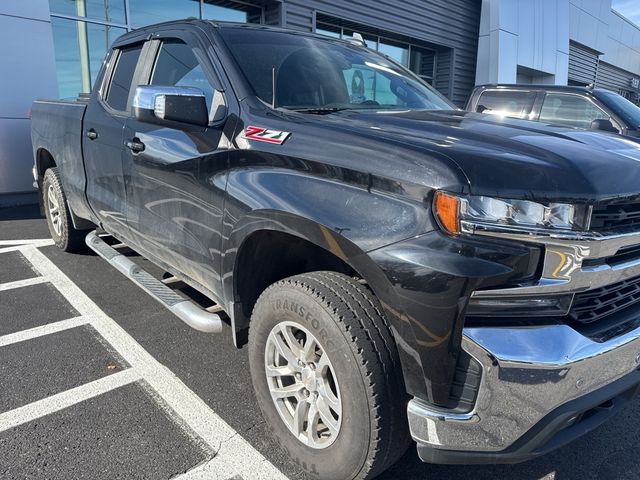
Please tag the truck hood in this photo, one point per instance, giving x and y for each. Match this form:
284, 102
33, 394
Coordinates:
511, 158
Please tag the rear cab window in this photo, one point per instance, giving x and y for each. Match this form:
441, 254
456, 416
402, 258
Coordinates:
507, 103
119, 88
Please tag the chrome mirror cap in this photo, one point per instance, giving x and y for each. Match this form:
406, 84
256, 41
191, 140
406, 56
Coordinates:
153, 98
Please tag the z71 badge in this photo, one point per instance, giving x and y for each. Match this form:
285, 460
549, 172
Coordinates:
264, 135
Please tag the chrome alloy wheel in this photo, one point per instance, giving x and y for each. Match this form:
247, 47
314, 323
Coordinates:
54, 210
303, 385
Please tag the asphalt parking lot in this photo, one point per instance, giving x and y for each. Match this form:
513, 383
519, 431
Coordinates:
98, 381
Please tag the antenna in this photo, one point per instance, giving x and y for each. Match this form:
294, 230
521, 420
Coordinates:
358, 39
273, 87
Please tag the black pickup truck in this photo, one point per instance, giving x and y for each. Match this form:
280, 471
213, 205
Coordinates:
399, 268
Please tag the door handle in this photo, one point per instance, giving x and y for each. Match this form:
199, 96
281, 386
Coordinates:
91, 134
135, 145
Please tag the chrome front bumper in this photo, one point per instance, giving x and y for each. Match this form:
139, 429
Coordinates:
528, 372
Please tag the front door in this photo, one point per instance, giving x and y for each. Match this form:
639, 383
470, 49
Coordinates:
103, 140
175, 185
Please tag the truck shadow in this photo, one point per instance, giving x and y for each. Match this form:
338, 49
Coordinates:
21, 212
609, 452
26, 223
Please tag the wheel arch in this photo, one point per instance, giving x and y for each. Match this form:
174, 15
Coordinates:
250, 241
44, 160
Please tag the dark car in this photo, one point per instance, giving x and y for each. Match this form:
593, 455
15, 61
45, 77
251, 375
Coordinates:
582, 107
401, 269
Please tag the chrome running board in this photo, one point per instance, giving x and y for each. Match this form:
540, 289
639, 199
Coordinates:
185, 310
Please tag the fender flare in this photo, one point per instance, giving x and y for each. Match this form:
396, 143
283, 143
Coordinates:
331, 241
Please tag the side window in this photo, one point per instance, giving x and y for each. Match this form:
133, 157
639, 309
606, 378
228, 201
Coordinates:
177, 66
509, 103
570, 110
122, 78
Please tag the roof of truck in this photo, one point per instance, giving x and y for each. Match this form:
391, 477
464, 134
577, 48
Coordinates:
522, 86
149, 29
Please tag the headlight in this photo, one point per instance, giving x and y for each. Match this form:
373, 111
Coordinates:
457, 214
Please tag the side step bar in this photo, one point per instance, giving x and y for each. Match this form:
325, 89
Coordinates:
185, 310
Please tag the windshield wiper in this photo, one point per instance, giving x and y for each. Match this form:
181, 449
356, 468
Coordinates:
319, 110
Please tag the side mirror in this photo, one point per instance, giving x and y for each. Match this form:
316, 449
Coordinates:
603, 125
167, 105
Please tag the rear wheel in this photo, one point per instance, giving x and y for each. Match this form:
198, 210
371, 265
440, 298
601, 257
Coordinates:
64, 235
326, 374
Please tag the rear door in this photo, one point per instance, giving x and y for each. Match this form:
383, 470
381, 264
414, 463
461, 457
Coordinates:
175, 186
103, 138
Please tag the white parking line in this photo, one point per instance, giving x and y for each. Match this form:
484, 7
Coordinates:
54, 403
19, 244
231, 460
234, 455
22, 283
38, 242
42, 330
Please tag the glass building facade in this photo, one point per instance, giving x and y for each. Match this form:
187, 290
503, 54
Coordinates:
83, 30
437, 39
418, 58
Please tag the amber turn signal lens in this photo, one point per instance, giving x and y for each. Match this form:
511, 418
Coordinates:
447, 211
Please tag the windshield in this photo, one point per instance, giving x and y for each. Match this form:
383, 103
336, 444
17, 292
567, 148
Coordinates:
312, 73
629, 112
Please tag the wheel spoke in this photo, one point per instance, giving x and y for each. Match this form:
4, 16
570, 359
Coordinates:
291, 340
281, 371
299, 416
309, 350
286, 392
329, 397
51, 196
284, 350
323, 364
326, 416
312, 424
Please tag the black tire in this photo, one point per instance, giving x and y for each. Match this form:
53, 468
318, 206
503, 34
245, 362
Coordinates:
64, 235
347, 317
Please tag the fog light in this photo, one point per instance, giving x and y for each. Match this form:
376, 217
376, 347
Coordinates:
512, 306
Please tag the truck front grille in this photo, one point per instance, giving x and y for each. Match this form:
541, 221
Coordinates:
593, 305
615, 216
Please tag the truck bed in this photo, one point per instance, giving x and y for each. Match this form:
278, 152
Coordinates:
56, 132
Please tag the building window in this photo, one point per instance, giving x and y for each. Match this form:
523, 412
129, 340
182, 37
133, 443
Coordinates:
146, 12
240, 13
83, 30
396, 51
423, 63
419, 59
112, 11
79, 49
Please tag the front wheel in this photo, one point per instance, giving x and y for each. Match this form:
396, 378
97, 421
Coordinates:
325, 370
64, 235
